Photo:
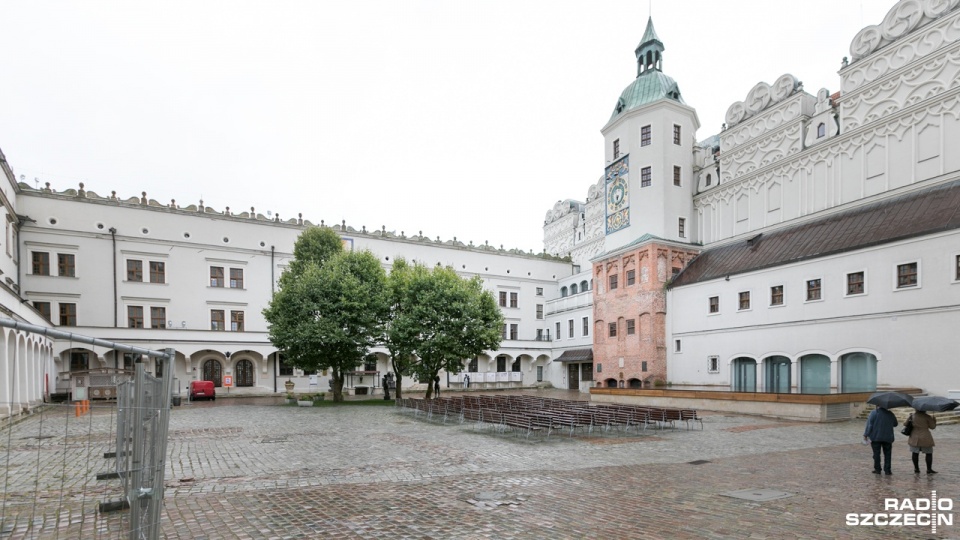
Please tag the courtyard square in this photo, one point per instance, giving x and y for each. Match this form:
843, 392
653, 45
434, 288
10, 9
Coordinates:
250, 468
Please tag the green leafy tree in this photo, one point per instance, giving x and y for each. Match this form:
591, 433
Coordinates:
437, 320
315, 245
327, 316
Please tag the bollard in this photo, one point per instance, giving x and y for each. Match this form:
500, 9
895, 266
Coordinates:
76, 408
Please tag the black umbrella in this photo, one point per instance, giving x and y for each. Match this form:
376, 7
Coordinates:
889, 400
934, 403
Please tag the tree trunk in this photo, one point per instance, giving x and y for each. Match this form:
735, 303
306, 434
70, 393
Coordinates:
337, 380
397, 392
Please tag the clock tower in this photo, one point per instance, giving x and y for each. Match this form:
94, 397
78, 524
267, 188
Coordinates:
649, 227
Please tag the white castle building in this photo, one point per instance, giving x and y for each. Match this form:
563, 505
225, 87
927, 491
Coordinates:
812, 246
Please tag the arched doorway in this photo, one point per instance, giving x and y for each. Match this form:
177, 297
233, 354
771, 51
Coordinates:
744, 375
858, 372
814, 374
777, 374
213, 371
611, 383
244, 373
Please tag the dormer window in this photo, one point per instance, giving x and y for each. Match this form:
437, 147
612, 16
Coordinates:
709, 179
821, 130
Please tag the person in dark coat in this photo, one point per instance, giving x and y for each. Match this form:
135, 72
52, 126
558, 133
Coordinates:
436, 386
921, 440
879, 431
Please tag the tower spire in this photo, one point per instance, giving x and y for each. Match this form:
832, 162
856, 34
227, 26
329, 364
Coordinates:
650, 50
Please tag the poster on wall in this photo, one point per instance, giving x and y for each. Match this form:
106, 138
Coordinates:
616, 180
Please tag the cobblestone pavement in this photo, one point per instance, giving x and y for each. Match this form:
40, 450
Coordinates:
267, 471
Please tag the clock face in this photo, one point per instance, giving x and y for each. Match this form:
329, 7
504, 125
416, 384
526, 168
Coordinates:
617, 192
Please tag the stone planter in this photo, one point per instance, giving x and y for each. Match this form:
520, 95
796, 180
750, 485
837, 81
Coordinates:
304, 403
289, 386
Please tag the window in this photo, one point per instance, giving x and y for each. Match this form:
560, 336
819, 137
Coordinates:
616, 149
821, 130
612, 329
539, 311
713, 364
709, 179
539, 291
513, 331
855, 283
158, 317
539, 373
558, 331
573, 288
236, 278
813, 289
43, 308
68, 314
631, 277
645, 136
236, 321
570, 328
134, 316
513, 299
134, 270
676, 175
676, 345
285, 369
956, 269
776, 295
745, 300
216, 319
563, 292
473, 365
515, 367
645, 177
503, 334
586, 326
79, 361
714, 304
631, 327
129, 360
682, 227
41, 263
66, 265
158, 272
907, 275
503, 298
676, 134
643, 366
216, 276
540, 334
613, 282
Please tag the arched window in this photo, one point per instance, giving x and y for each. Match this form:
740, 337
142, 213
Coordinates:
573, 289
584, 286
709, 179
563, 292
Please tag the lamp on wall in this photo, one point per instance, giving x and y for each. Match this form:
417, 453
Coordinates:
227, 354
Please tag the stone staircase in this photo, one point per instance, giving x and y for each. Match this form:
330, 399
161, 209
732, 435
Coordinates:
943, 418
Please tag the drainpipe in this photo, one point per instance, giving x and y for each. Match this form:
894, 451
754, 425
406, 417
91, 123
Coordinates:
276, 361
113, 236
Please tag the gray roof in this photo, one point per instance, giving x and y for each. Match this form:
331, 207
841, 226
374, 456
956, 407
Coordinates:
918, 213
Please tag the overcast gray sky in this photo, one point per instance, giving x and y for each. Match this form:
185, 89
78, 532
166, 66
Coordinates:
457, 118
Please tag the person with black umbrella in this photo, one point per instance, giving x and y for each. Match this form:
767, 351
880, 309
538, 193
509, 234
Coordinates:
879, 431
921, 440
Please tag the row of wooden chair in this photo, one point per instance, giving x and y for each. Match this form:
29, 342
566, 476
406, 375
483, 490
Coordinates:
532, 414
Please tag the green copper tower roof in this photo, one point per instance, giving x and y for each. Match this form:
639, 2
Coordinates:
651, 84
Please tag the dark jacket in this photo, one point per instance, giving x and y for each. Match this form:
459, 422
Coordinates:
880, 426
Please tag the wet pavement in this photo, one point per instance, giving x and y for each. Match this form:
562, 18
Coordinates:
250, 468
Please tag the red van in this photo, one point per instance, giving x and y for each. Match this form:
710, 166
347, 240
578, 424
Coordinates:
202, 389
